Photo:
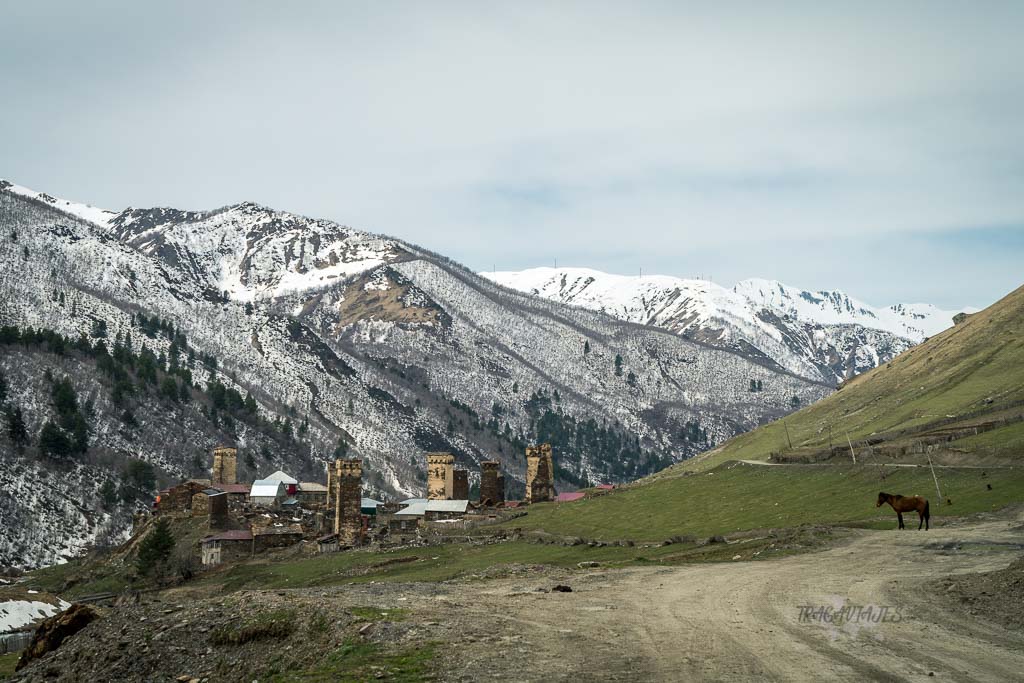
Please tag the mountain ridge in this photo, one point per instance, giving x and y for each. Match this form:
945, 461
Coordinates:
827, 336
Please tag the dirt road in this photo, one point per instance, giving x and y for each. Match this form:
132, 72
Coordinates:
742, 620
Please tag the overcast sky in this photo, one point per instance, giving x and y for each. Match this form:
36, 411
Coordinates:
877, 149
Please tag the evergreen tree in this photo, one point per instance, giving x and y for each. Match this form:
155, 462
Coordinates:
141, 475
618, 365
108, 495
99, 329
3, 388
753, 386
53, 441
341, 450
760, 387
250, 404
155, 549
16, 430
586, 347
169, 389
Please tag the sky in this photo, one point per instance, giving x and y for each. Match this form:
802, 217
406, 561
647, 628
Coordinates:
876, 148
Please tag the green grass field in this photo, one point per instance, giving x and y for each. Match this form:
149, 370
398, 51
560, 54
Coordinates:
1007, 441
736, 497
7, 664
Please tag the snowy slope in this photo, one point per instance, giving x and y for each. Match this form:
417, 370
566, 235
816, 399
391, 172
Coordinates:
915, 322
83, 211
821, 335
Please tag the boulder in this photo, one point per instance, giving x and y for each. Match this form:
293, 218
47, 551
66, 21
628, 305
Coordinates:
55, 630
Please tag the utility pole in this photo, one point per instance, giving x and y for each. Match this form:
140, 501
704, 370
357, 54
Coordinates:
936, 479
786, 427
852, 454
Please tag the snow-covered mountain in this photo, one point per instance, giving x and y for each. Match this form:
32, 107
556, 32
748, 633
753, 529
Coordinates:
361, 339
826, 336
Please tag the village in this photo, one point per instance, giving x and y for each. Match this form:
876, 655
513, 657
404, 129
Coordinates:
278, 511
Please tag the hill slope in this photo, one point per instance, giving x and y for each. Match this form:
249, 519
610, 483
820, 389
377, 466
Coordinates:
970, 374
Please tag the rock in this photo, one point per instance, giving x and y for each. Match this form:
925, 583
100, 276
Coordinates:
736, 557
561, 589
55, 630
365, 628
588, 564
183, 679
717, 539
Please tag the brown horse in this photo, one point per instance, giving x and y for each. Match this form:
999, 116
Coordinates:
903, 504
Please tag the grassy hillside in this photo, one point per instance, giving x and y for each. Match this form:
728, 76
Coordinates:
977, 366
738, 497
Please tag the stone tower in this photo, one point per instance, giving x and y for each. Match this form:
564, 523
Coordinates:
225, 465
440, 476
540, 474
347, 491
460, 485
491, 492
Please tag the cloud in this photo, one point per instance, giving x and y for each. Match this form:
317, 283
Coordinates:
639, 134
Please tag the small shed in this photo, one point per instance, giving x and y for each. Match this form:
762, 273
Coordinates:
368, 506
291, 483
569, 497
226, 546
605, 487
267, 492
328, 544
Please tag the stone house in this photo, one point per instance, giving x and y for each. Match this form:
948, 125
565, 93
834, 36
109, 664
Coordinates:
445, 509
311, 493
238, 494
178, 498
211, 503
265, 538
227, 546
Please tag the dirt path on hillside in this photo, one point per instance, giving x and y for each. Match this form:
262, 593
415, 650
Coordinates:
743, 620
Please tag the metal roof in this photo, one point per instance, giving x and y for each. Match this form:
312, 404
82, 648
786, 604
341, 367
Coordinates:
412, 501
265, 488
369, 503
212, 492
312, 487
281, 476
447, 505
415, 510
569, 497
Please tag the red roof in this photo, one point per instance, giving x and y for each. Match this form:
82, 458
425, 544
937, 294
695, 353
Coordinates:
235, 535
569, 497
605, 487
